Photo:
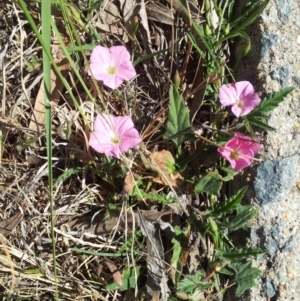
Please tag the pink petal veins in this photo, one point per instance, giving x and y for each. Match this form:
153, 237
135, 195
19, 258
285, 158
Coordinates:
111, 65
113, 135
241, 96
239, 151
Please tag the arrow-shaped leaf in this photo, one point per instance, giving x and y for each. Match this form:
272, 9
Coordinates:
178, 119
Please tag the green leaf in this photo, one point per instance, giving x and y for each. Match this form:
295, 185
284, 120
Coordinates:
194, 43
178, 119
261, 124
245, 276
129, 278
247, 9
251, 17
191, 283
230, 173
87, 47
148, 56
237, 254
179, 241
213, 230
243, 34
69, 172
232, 203
102, 254
270, 103
210, 183
244, 214
224, 271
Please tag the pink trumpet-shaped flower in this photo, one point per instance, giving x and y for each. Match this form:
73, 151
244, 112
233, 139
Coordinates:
239, 151
111, 65
241, 96
113, 135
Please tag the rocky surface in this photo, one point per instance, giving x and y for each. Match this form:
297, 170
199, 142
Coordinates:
273, 63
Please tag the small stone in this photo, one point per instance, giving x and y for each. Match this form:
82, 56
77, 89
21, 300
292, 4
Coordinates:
291, 273
296, 126
287, 216
298, 39
281, 75
271, 291
267, 41
282, 288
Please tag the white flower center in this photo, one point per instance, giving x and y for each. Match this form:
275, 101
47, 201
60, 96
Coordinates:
115, 139
239, 103
111, 70
234, 154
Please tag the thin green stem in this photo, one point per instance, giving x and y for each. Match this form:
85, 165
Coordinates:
46, 35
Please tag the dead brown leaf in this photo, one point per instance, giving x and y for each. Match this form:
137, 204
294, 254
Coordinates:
159, 13
129, 183
109, 16
38, 116
132, 8
156, 278
114, 270
6, 226
164, 162
98, 225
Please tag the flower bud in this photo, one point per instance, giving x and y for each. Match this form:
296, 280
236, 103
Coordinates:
176, 80
182, 295
227, 29
207, 30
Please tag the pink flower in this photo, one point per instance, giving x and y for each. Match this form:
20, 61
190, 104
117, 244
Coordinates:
241, 96
111, 65
239, 151
113, 135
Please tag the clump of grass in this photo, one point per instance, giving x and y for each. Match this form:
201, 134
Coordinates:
157, 223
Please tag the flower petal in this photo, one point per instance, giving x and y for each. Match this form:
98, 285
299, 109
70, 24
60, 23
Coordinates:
130, 139
112, 81
123, 124
129, 135
119, 55
107, 127
227, 95
98, 71
241, 163
243, 88
242, 92
104, 124
242, 145
237, 111
116, 57
101, 56
100, 144
126, 71
114, 151
250, 102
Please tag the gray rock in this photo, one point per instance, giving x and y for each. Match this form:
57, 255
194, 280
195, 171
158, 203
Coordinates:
267, 41
281, 74
284, 10
271, 291
273, 179
290, 245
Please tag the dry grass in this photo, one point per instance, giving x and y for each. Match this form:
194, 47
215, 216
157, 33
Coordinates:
81, 200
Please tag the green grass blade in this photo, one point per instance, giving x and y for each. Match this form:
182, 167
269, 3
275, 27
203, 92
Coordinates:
252, 17
46, 35
53, 64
